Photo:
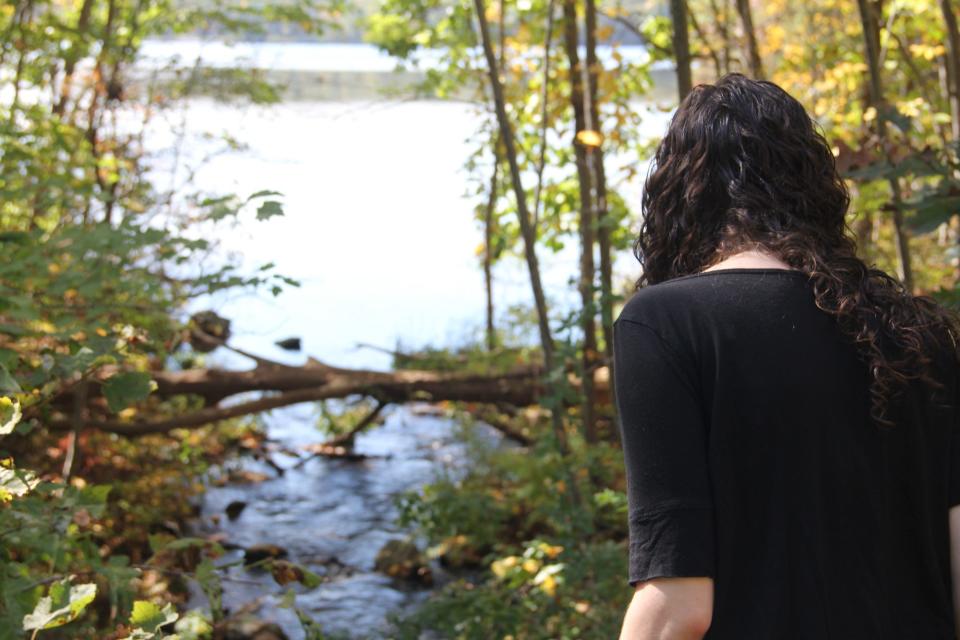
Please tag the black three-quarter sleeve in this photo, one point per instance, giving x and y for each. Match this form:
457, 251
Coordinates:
662, 430
953, 489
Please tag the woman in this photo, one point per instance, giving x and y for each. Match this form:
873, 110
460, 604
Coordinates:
787, 412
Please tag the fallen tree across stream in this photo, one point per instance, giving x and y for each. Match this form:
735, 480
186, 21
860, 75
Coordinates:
284, 385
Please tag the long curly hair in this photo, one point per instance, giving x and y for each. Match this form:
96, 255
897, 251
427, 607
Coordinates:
742, 166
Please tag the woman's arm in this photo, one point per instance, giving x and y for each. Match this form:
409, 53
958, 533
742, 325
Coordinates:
671, 556
670, 609
955, 564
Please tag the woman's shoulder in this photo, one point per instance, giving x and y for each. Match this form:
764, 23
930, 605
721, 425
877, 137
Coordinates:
663, 302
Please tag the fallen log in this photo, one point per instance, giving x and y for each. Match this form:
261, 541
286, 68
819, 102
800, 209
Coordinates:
284, 385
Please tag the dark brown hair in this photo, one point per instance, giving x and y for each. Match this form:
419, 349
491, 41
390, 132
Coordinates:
742, 166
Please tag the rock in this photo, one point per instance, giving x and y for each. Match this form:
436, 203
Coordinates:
250, 628
289, 344
208, 331
235, 508
245, 476
424, 409
456, 552
401, 559
260, 552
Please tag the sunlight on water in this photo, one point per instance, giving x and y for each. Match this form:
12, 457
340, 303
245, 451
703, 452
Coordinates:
376, 226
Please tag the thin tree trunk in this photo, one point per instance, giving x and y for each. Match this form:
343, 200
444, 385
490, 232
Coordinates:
753, 51
711, 52
554, 382
723, 30
544, 118
953, 65
571, 37
871, 39
681, 46
526, 230
487, 248
864, 232
98, 97
952, 75
71, 458
491, 205
83, 21
600, 184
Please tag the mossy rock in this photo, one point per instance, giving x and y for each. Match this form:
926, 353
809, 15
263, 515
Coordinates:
458, 552
402, 559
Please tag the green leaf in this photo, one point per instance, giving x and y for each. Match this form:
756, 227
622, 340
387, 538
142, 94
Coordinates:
206, 575
7, 382
150, 617
931, 211
17, 237
10, 415
124, 389
263, 194
64, 604
269, 209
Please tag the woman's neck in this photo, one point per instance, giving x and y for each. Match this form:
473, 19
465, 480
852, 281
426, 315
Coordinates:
750, 259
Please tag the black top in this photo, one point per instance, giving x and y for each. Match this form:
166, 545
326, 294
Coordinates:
751, 459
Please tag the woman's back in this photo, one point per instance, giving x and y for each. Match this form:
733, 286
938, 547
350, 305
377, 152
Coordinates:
751, 459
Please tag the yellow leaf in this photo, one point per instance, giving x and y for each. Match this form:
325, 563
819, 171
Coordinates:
531, 565
551, 551
589, 138
501, 566
549, 585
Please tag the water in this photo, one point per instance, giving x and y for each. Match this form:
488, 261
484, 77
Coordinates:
332, 516
379, 231
307, 56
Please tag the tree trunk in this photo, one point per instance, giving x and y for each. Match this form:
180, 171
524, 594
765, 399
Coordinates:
681, 47
705, 42
526, 229
600, 182
750, 36
487, 249
571, 37
871, 39
544, 118
723, 28
953, 65
555, 384
70, 65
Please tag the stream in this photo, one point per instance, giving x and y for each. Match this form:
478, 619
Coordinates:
332, 516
